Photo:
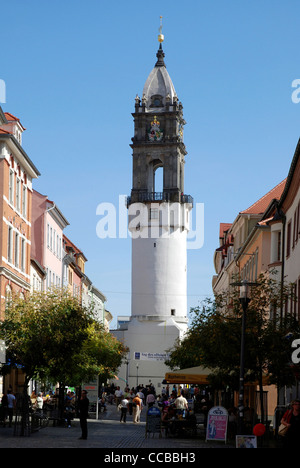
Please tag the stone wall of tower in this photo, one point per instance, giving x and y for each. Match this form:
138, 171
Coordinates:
159, 259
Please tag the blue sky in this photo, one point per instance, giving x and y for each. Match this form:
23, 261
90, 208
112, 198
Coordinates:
72, 70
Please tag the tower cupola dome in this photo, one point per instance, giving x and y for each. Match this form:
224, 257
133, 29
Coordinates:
159, 89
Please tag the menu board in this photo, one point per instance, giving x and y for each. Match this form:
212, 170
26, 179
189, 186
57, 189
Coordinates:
217, 420
153, 421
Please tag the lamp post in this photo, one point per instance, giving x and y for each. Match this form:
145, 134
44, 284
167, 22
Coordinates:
137, 375
127, 373
244, 301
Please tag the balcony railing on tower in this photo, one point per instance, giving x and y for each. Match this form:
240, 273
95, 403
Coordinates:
149, 197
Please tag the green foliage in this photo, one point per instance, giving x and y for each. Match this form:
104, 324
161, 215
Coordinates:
214, 337
52, 337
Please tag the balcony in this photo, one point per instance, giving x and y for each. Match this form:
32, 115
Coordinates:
151, 197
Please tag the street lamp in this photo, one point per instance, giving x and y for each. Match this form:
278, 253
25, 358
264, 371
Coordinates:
127, 373
137, 375
244, 301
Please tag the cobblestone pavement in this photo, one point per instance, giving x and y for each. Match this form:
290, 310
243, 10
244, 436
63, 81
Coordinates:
106, 433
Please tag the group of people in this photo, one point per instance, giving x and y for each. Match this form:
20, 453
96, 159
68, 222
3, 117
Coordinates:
132, 401
8, 404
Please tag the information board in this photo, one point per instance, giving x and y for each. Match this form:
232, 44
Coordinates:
92, 394
217, 420
153, 421
2, 352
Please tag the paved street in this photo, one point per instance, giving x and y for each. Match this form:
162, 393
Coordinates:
106, 433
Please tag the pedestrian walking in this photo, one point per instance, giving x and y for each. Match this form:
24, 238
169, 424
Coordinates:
124, 407
150, 400
118, 396
4, 406
83, 408
291, 419
137, 409
11, 406
69, 408
130, 405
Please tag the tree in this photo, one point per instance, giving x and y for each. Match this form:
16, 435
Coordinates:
52, 336
214, 337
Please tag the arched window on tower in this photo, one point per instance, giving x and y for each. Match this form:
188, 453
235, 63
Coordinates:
159, 179
8, 296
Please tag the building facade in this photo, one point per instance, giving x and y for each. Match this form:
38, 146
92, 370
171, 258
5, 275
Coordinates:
244, 250
285, 255
17, 173
265, 239
48, 224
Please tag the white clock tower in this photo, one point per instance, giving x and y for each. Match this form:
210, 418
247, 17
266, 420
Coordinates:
158, 223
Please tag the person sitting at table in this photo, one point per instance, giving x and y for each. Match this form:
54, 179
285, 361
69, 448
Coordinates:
168, 414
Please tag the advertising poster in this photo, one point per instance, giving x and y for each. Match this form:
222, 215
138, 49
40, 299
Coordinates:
246, 441
217, 423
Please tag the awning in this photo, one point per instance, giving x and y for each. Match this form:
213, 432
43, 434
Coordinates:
193, 375
198, 375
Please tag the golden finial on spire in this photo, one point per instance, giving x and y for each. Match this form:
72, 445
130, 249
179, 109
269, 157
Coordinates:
161, 37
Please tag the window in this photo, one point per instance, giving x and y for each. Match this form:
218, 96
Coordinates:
295, 230
24, 201
288, 239
298, 221
8, 293
70, 276
11, 187
156, 101
278, 246
23, 245
9, 244
153, 213
48, 235
18, 195
54, 241
298, 298
16, 250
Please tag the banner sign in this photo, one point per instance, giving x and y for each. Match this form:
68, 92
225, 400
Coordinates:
2, 352
217, 423
151, 356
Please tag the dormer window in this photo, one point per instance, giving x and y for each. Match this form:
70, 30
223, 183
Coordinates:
156, 101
